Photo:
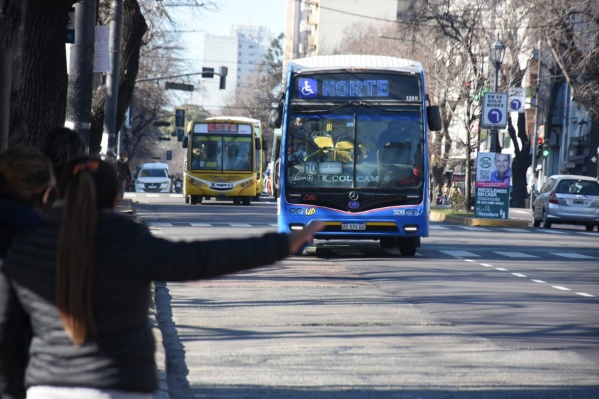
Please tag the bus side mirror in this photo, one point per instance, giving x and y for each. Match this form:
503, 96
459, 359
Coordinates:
433, 118
275, 118
185, 143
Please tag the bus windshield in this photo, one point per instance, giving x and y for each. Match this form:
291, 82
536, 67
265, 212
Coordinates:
355, 146
222, 153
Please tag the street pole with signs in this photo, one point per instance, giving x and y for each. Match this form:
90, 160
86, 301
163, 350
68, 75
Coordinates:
497, 52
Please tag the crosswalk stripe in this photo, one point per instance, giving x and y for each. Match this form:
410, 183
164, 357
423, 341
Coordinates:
515, 254
572, 255
515, 230
160, 224
240, 225
461, 254
201, 225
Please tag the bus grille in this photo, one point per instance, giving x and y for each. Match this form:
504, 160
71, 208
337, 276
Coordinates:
342, 202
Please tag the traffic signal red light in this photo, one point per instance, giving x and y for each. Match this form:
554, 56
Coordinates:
539, 149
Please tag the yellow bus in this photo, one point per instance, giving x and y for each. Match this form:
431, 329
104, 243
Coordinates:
223, 160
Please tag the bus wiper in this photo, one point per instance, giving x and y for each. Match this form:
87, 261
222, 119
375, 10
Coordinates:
329, 110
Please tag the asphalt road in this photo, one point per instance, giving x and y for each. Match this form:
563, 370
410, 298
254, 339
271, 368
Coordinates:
478, 313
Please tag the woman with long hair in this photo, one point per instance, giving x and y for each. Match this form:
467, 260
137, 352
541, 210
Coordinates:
84, 280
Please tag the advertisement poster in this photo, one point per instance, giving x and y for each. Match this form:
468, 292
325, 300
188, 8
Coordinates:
492, 188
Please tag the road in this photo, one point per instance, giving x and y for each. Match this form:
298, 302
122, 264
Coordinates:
477, 313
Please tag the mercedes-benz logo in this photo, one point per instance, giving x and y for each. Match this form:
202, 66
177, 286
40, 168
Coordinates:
353, 195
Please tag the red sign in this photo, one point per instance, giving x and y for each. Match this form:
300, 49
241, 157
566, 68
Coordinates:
223, 127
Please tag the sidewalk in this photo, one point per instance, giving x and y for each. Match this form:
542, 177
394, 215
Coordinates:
125, 207
437, 216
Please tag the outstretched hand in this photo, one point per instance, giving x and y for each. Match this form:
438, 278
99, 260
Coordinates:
299, 238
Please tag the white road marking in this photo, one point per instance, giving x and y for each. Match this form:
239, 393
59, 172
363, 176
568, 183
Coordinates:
515, 254
559, 287
585, 294
588, 233
473, 228
160, 224
538, 281
240, 225
437, 228
552, 231
572, 255
519, 275
461, 254
515, 230
201, 224
486, 265
501, 269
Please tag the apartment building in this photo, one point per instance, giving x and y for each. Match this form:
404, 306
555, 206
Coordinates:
241, 52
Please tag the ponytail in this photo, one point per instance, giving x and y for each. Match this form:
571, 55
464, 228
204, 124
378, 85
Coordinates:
76, 254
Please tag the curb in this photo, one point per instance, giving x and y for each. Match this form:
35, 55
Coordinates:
472, 221
125, 207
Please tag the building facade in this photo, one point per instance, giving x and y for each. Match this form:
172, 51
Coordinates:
241, 52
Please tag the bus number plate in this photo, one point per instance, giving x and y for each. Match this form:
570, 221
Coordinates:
353, 226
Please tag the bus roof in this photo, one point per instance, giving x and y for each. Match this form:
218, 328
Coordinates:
233, 119
354, 61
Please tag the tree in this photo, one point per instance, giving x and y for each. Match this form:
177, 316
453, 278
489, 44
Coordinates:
35, 30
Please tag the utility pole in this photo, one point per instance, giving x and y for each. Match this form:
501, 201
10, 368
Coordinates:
112, 84
79, 95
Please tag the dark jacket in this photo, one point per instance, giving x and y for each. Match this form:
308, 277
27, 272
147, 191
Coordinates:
15, 217
128, 259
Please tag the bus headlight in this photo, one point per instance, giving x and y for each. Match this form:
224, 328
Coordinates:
296, 226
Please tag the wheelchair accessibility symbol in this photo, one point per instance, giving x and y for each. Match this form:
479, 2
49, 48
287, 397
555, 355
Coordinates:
307, 88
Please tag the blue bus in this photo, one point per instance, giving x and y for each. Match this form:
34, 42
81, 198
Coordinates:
354, 149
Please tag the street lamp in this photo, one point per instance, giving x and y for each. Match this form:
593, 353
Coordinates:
497, 52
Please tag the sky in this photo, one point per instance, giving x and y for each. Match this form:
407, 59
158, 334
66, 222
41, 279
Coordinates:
269, 13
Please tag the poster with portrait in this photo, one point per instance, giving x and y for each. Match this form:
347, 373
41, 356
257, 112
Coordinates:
492, 187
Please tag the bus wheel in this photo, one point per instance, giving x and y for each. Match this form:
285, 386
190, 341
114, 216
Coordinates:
187, 199
407, 246
245, 200
236, 201
388, 242
193, 199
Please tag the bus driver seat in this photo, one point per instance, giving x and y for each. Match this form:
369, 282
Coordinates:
396, 152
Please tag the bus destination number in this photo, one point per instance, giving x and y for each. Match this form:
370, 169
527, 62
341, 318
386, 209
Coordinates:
353, 226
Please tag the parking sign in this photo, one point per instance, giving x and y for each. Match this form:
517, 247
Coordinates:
494, 110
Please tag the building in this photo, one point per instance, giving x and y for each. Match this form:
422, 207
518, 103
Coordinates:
241, 52
316, 27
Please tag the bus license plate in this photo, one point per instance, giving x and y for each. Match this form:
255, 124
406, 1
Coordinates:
353, 226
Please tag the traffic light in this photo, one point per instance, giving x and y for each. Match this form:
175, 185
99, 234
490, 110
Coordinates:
223, 71
180, 117
539, 151
545, 148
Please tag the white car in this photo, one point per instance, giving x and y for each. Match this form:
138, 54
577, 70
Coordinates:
567, 199
153, 178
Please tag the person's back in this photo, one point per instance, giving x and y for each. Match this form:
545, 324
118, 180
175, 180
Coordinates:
84, 280
25, 177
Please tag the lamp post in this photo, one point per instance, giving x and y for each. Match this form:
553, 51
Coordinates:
497, 52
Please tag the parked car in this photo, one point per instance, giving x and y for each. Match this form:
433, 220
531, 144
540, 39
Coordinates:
568, 199
153, 178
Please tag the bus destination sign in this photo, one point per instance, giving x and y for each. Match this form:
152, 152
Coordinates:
358, 85
222, 128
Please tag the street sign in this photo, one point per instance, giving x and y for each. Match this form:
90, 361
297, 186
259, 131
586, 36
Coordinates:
494, 112
515, 99
178, 86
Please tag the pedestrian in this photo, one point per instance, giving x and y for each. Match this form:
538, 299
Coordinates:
445, 192
62, 144
26, 179
84, 280
123, 173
